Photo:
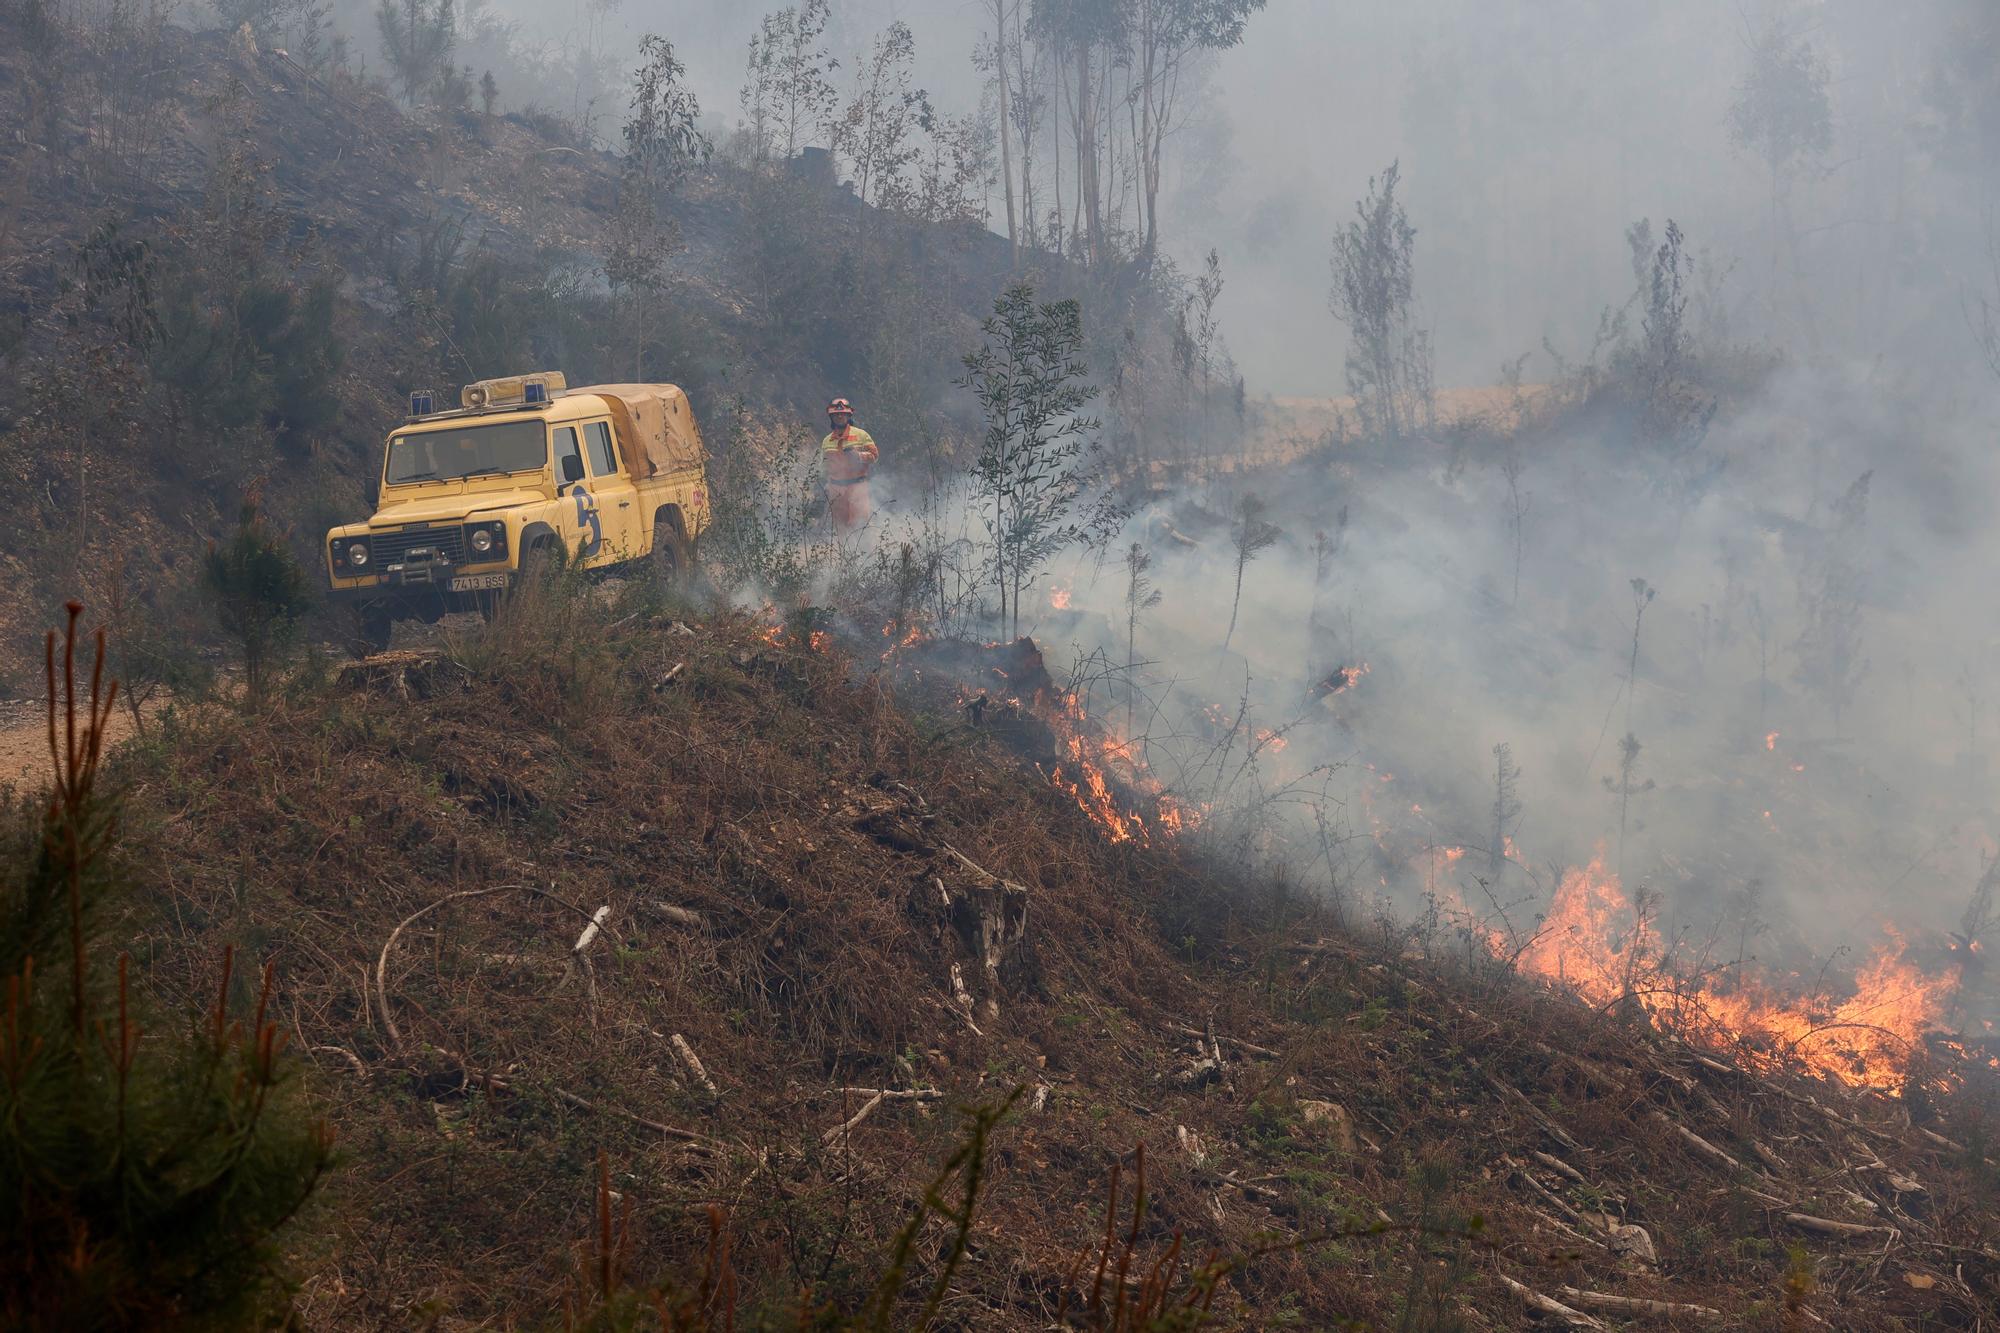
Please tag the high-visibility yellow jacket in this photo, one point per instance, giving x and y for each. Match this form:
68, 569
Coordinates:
849, 455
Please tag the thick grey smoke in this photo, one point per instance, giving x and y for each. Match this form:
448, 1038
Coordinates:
1813, 689
1531, 134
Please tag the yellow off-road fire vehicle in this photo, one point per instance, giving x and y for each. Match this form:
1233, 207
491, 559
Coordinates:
472, 497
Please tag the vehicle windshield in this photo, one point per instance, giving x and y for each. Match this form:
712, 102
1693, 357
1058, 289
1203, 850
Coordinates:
467, 451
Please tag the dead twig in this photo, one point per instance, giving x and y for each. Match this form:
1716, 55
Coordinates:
670, 1131
693, 1063
388, 945
360, 1069
840, 1131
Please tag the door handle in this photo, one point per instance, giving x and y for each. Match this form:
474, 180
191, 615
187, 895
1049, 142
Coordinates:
624, 504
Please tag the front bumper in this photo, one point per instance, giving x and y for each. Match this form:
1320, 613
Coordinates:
422, 592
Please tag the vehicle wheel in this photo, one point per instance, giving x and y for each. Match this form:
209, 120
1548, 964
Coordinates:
535, 564
673, 557
531, 575
371, 629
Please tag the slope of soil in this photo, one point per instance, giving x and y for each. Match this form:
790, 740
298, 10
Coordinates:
793, 851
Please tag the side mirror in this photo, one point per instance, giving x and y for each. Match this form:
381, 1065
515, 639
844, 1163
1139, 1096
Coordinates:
572, 469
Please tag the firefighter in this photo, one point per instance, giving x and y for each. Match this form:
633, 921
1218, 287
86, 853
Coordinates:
850, 454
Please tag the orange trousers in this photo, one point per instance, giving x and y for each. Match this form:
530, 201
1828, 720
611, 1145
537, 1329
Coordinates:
847, 503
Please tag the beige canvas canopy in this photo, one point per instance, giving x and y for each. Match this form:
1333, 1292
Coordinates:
659, 420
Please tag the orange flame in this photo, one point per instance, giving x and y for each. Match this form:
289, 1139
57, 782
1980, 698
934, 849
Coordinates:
1344, 679
1596, 943
1093, 753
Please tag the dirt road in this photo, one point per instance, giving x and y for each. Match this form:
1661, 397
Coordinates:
24, 741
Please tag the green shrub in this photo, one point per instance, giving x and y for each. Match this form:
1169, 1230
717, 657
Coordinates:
144, 1174
259, 592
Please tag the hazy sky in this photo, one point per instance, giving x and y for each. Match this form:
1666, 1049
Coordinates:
1530, 133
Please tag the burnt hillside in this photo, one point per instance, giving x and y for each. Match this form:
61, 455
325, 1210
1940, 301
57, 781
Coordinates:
806, 863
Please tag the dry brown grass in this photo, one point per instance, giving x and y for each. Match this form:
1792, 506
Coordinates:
774, 791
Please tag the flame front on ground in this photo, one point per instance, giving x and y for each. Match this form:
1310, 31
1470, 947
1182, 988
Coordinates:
1596, 943
1092, 752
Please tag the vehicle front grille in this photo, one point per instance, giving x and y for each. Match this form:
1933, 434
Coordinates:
390, 547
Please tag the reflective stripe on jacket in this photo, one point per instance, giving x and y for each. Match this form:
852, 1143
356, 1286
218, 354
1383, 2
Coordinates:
849, 457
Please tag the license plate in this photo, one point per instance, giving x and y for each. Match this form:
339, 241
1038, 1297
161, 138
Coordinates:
478, 582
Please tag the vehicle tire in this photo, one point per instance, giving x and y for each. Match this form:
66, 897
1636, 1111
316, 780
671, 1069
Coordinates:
370, 629
535, 562
533, 571
673, 556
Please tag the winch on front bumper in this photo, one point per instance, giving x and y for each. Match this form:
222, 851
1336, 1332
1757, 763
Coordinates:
421, 568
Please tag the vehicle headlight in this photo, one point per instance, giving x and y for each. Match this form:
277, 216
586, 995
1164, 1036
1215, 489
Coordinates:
357, 554
482, 540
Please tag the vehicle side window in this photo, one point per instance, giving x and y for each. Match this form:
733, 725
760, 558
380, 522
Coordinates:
597, 436
565, 442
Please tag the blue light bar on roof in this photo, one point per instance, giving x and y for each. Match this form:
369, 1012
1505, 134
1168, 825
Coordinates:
534, 392
421, 405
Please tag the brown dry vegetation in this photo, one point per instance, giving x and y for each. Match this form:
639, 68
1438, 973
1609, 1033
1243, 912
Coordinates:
801, 804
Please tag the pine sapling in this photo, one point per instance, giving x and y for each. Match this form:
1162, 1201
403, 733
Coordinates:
1506, 806
1249, 535
1625, 788
1140, 597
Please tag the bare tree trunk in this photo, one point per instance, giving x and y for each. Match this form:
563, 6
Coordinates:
1030, 78
1006, 129
1055, 143
1088, 184
1000, 549
1149, 132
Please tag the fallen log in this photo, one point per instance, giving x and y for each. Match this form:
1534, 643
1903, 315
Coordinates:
1556, 1202
679, 916
1507, 1090
1700, 1144
893, 1094
1770, 1159
1247, 1047
1541, 1304
1559, 1166
1827, 1226
1604, 1300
